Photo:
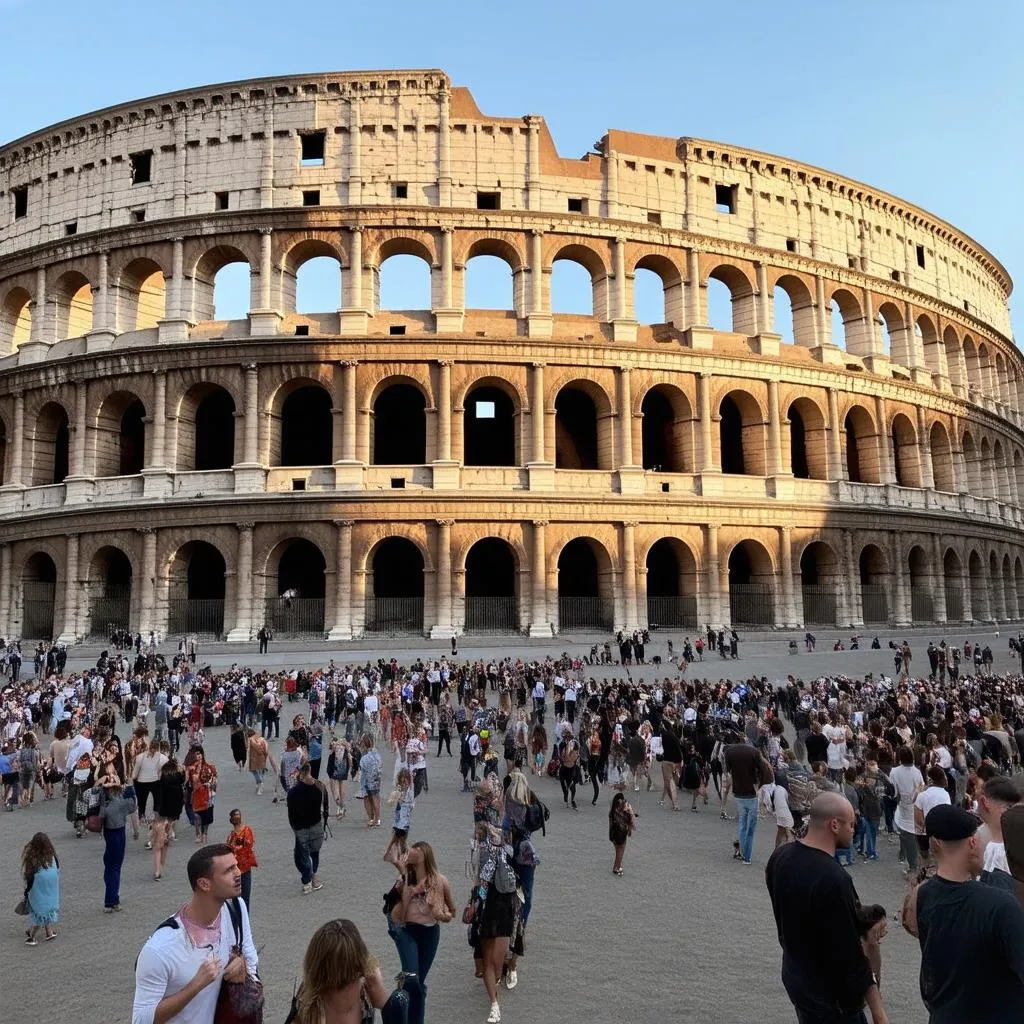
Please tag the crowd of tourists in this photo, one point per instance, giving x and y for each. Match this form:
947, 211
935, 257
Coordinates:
837, 762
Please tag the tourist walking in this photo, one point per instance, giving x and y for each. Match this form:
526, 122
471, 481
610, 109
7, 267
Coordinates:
370, 769
40, 870
308, 811
621, 825
243, 842
202, 780
168, 804
145, 774
747, 770
259, 758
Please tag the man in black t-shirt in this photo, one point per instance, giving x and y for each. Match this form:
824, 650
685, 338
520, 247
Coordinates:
824, 969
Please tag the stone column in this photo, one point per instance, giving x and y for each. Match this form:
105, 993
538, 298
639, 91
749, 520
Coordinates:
939, 612
444, 410
886, 474
76, 463
775, 460
250, 448
174, 325
147, 604
707, 458
6, 583
40, 318
623, 320
444, 149
786, 616
538, 319
355, 273
712, 576
625, 417
540, 621
764, 300
443, 627
103, 330
265, 320
245, 606
853, 579
158, 458
537, 412
72, 591
533, 173
342, 628
901, 611
924, 449
446, 316
694, 313
629, 575
821, 312
836, 469
18, 443
348, 411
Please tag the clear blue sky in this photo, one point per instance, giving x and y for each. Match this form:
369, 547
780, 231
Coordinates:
922, 99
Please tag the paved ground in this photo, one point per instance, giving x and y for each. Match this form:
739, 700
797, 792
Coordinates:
686, 934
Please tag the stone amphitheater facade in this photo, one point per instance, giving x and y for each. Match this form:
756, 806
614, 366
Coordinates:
444, 470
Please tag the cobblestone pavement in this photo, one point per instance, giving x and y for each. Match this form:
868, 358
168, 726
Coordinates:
685, 934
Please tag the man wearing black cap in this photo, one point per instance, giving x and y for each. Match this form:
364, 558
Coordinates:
971, 935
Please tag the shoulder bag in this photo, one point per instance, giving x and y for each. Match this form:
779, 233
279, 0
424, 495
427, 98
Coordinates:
239, 1002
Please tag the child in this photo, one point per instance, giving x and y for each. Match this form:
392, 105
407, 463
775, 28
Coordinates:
621, 825
775, 803
402, 798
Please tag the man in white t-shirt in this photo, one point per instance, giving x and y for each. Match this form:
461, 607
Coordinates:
997, 796
836, 753
908, 782
935, 794
180, 969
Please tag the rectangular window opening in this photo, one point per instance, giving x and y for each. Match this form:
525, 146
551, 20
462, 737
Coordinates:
653, 218
400, 190
396, 329
790, 245
71, 228
398, 482
221, 200
895, 275
725, 198
920, 256
575, 205
138, 216
141, 167
665, 488
488, 200
311, 198
485, 410
298, 483
20, 201
314, 145
302, 330
967, 306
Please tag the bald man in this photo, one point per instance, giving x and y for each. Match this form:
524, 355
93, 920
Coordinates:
824, 969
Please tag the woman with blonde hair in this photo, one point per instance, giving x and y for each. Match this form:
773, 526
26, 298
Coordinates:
340, 980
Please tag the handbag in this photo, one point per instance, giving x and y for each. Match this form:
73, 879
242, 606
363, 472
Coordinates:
239, 1002
21, 907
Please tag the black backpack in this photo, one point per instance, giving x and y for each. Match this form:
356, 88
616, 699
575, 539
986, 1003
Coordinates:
537, 814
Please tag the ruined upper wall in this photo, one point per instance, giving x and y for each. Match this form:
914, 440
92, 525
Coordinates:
407, 138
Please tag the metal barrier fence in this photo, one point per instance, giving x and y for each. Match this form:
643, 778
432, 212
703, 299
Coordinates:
492, 615
921, 606
294, 617
954, 602
751, 604
204, 617
110, 610
394, 616
819, 604
37, 610
585, 613
680, 612
874, 603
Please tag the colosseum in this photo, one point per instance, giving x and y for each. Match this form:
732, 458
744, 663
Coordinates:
846, 450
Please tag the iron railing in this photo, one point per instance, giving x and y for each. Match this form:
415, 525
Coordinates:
819, 604
874, 603
751, 604
37, 610
954, 602
394, 616
492, 614
294, 617
679, 612
585, 613
922, 608
202, 616
110, 609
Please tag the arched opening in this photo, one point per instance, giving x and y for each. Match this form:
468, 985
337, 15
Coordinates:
892, 335
403, 283
793, 311
307, 427
996, 608
120, 435
1009, 590
318, 284
667, 431
972, 365
751, 585
141, 296
488, 283
874, 591
1018, 581
808, 441
657, 299
206, 429
942, 459
72, 302
492, 577
953, 583
954, 357
489, 422
671, 585
848, 329
730, 299
38, 595
110, 592
861, 448
579, 283
919, 575
979, 588
905, 457
928, 338
221, 286
819, 572
394, 603
742, 435
972, 465
582, 429
51, 446
195, 590
15, 320
1001, 471
399, 426
295, 602
985, 469
584, 587
985, 368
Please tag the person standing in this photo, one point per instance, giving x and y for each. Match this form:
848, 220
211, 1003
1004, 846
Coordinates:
308, 810
824, 969
259, 758
971, 935
997, 796
168, 804
243, 842
370, 770
181, 967
263, 635
41, 872
202, 777
908, 781
621, 825
747, 770
115, 810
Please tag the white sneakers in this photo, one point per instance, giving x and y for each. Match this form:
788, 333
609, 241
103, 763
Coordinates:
307, 889
494, 1017
511, 980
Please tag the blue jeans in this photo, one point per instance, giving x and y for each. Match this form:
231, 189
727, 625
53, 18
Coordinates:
746, 824
113, 858
844, 853
417, 947
307, 851
526, 881
869, 838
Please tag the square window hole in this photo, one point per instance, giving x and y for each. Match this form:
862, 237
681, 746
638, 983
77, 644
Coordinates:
396, 329
298, 483
575, 205
20, 201
138, 216
400, 190
398, 483
920, 256
488, 200
302, 330
653, 218
664, 488
895, 275
71, 228
311, 198
141, 167
221, 200
790, 245
313, 148
725, 198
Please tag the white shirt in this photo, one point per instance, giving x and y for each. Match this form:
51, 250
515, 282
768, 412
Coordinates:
169, 961
836, 736
907, 780
777, 795
371, 704
931, 797
570, 694
79, 745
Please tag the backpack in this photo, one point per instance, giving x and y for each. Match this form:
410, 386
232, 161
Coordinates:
802, 792
537, 814
870, 805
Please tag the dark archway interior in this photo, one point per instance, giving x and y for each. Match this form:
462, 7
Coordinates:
39, 585
307, 428
400, 427
397, 569
798, 446
658, 429
132, 439
868, 567
302, 568
40, 569
809, 567
489, 437
490, 569
852, 452
116, 570
731, 428
215, 431
205, 573
3, 454
741, 569
575, 430
577, 570
662, 570
896, 467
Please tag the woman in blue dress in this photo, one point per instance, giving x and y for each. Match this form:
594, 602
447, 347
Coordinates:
42, 886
